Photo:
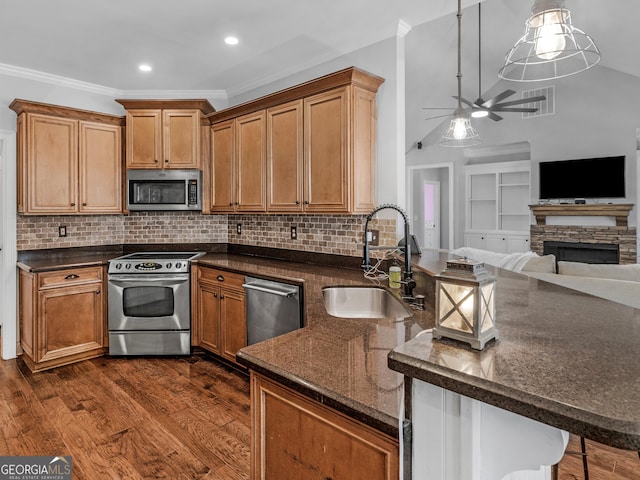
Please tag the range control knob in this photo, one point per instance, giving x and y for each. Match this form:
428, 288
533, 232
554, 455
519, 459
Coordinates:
118, 266
128, 266
168, 265
178, 265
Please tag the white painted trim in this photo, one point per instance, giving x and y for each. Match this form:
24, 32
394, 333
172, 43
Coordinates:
58, 80
9, 254
409, 189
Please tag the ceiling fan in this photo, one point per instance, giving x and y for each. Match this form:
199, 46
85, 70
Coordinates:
487, 108
483, 108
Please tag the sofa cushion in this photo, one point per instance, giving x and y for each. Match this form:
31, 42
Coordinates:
544, 264
616, 272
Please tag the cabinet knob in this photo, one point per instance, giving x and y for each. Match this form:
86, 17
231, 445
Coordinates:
166, 161
97, 292
306, 202
73, 204
156, 161
84, 204
231, 204
215, 295
221, 297
297, 202
220, 278
237, 203
71, 276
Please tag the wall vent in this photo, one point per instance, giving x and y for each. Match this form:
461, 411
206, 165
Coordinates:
545, 107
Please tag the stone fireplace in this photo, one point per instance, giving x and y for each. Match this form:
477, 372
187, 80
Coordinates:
589, 243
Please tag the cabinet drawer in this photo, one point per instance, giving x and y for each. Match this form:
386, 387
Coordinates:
71, 276
220, 276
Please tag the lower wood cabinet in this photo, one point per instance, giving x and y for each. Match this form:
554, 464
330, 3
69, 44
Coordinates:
62, 316
218, 311
296, 438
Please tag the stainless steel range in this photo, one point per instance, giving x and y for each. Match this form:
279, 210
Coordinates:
150, 303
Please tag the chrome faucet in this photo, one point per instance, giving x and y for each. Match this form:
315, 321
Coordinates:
408, 281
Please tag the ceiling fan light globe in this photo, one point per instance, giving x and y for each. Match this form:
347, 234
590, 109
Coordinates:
480, 113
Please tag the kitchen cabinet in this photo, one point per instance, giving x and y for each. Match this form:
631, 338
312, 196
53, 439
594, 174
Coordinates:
218, 311
497, 206
317, 147
62, 316
164, 133
239, 164
69, 161
296, 437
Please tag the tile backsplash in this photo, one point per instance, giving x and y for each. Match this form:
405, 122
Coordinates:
333, 234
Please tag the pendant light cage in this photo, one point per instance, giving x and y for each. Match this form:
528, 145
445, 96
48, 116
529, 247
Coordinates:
460, 133
550, 48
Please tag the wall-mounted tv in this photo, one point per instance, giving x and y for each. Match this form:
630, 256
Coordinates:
583, 178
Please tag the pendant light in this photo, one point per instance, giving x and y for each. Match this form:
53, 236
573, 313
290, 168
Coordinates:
551, 46
460, 132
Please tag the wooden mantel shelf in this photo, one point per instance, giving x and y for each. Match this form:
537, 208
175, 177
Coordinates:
618, 210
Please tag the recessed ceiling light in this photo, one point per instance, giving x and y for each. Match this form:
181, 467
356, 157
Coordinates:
231, 40
144, 67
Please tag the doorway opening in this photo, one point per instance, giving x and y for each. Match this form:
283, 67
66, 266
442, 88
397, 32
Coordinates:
431, 204
8, 252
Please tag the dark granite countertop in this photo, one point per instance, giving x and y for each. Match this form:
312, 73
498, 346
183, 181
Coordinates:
564, 358
338, 361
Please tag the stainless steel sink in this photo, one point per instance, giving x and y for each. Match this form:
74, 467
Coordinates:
362, 302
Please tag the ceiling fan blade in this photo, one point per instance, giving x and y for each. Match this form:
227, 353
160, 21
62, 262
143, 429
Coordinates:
494, 117
524, 110
439, 116
520, 102
466, 102
498, 98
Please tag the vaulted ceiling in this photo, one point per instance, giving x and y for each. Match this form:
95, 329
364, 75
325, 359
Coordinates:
102, 42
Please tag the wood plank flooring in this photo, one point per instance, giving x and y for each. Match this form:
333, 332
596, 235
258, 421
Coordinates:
173, 418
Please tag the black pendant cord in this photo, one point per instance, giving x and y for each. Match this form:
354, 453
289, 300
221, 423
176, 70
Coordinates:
459, 76
479, 50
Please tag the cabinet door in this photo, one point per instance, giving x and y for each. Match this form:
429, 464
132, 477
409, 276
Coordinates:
100, 168
52, 164
496, 243
71, 321
284, 158
363, 138
207, 316
181, 138
297, 438
518, 243
144, 139
251, 138
474, 240
222, 170
326, 160
233, 322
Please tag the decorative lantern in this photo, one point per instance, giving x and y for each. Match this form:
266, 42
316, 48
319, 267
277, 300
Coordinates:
465, 303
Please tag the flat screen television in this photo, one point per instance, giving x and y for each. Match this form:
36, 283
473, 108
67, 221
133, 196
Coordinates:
583, 178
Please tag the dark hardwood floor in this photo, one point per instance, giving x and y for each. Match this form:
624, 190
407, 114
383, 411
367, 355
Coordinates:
173, 418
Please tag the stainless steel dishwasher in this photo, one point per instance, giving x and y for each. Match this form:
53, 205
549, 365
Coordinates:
273, 308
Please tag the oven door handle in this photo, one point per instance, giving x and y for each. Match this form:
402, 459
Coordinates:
158, 279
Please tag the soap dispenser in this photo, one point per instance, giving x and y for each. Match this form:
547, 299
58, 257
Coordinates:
394, 276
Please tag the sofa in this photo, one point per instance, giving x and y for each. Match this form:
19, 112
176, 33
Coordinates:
619, 283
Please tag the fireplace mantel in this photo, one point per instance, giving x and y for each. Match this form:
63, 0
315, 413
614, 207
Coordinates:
618, 210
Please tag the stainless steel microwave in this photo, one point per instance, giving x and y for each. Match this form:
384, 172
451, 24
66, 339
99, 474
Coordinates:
164, 190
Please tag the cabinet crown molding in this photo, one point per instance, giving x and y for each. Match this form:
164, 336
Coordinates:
175, 104
348, 76
27, 106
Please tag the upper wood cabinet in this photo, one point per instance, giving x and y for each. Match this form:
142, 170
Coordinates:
317, 149
69, 160
164, 133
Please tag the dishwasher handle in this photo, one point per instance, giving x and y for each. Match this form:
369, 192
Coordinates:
264, 289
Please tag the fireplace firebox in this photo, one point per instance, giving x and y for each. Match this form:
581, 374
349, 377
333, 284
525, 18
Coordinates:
583, 252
